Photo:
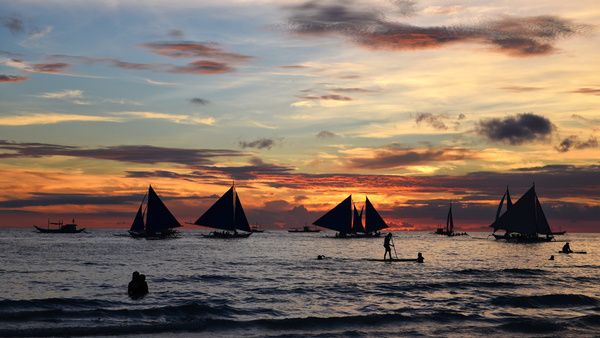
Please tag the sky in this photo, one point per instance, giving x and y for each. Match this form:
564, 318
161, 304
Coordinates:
416, 104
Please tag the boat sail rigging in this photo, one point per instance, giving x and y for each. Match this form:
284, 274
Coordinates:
226, 214
448, 230
341, 219
523, 221
159, 220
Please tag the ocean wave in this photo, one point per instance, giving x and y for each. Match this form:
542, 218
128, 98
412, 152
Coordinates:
532, 326
546, 301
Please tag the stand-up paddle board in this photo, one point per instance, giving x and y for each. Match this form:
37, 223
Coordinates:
393, 260
573, 252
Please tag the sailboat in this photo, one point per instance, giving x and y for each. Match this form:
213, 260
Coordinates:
226, 214
159, 220
523, 221
341, 219
448, 230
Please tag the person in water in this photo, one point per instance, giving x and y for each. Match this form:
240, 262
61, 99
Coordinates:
387, 245
420, 258
567, 248
138, 287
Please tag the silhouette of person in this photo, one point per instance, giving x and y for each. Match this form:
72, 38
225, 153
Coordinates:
567, 248
138, 287
420, 258
386, 245
551, 258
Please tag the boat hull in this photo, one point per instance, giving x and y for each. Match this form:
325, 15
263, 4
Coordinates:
518, 238
59, 231
226, 234
154, 235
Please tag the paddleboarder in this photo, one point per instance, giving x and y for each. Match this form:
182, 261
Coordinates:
567, 248
387, 245
420, 258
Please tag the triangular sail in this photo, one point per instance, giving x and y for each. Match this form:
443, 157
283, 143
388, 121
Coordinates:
226, 214
450, 221
373, 222
500, 205
357, 225
159, 218
339, 218
138, 222
241, 222
524, 217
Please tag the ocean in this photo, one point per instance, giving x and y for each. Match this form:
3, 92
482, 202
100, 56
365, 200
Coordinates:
272, 285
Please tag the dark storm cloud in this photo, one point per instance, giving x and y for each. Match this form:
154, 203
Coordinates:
198, 100
517, 130
366, 25
573, 142
397, 157
191, 49
12, 78
325, 134
263, 143
135, 154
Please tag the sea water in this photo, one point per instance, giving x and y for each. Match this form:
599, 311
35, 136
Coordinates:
272, 284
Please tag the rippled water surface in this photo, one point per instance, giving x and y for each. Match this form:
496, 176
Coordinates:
271, 284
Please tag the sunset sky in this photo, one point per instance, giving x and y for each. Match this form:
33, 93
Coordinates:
416, 104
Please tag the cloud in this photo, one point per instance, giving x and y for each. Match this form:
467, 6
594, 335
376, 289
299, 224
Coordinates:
325, 134
54, 67
201, 67
586, 120
134, 154
12, 78
434, 121
367, 26
262, 143
395, 157
32, 119
14, 23
65, 94
198, 100
191, 49
520, 89
573, 142
517, 130
180, 119
591, 91
176, 33
333, 97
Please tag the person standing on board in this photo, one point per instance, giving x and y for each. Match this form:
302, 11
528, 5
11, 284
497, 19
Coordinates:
386, 245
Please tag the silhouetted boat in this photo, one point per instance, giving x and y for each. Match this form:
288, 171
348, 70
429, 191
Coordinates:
523, 221
449, 229
70, 228
226, 214
159, 220
305, 229
341, 219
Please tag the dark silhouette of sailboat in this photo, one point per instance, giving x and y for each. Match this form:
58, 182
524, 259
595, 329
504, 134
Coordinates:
69, 228
523, 221
448, 230
226, 214
159, 220
341, 219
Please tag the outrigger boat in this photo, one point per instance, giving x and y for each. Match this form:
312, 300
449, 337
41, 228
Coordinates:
340, 218
523, 221
305, 229
159, 220
70, 228
228, 215
449, 229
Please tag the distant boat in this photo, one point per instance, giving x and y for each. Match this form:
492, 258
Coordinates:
256, 228
523, 221
341, 219
159, 220
305, 229
70, 228
226, 214
449, 229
